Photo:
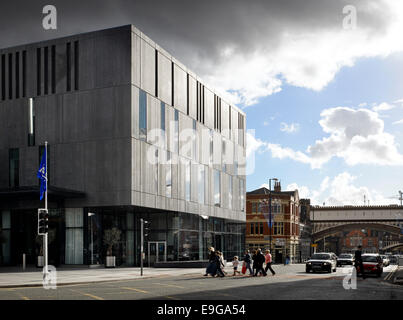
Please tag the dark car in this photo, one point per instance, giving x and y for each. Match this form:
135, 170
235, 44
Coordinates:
322, 262
345, 259
373, 264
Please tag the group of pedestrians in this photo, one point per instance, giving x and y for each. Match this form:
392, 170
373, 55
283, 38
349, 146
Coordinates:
257, 260
253, 262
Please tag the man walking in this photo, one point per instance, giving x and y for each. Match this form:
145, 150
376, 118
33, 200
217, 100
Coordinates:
248, 260
268, 262
358, 262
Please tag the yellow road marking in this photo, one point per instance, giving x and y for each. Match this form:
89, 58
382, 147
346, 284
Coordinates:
92, 296
169, 285
88, 295
169, 297
134, 289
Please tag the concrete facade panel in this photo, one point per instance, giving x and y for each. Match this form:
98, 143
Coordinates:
164, 79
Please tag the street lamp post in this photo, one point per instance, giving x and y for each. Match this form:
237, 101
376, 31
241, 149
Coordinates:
270, 222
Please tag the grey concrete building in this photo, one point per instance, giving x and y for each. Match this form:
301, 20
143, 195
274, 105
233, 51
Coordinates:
132, 134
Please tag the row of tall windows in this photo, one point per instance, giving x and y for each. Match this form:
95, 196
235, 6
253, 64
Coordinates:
201, 173
256, 228
13, 75
278, 228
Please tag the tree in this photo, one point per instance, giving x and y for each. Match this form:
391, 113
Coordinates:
111, 238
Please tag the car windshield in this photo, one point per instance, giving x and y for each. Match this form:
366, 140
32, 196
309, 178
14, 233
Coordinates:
369, 259
321, 256
345, 256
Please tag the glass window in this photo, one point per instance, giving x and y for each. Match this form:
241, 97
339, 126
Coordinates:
256, 228
75, 236
217, 188
230, 192
223, 159
201, 183
31, 123
162, 124
194, 140
261, 228
176, 136
168, 175
242, 193
187, 180
14, 165
254, 207
143, 115
211, 146
156, 171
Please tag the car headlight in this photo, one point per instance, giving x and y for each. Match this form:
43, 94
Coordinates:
326, 263
309, 263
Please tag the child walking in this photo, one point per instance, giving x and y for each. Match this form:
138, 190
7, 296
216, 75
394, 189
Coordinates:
235, 264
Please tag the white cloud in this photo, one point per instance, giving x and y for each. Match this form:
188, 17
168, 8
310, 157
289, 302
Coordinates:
289, 128
363, 104
398, 122
341, 190
384, 106
253, 144
307, 57
357, 136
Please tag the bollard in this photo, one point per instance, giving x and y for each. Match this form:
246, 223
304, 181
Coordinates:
23, 261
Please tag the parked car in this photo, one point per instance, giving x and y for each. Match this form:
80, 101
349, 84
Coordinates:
385, 260
373, 264
345, 259
323, 261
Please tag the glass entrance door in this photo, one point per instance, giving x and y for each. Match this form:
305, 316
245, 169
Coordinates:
157, 252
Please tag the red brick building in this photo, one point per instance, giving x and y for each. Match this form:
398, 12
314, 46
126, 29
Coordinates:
285, 228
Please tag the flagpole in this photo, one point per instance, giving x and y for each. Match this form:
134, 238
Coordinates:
45, 238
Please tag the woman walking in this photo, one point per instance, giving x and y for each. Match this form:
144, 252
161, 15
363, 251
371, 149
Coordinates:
268, 262
211, 267
219, 265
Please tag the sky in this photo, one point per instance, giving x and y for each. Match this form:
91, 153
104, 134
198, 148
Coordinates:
320, 80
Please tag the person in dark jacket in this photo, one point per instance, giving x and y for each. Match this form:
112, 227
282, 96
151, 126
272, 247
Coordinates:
254, 263
258, 263
219, 264
211, 267
358, 262
248, 260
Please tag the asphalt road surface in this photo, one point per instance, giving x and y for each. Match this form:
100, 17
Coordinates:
290, 283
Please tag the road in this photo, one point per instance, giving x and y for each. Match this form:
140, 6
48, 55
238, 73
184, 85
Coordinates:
290, 282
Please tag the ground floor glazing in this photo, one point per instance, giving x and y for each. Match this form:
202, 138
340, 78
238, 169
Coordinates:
77, 236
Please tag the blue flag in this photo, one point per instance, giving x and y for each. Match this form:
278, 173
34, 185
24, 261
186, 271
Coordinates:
42, 174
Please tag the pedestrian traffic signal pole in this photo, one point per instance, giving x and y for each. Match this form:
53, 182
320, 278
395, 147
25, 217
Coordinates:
45, 237
142, 244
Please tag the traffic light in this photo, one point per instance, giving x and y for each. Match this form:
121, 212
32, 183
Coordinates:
147, 229
43, 221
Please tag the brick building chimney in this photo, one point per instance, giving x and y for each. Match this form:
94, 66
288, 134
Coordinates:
277, 186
